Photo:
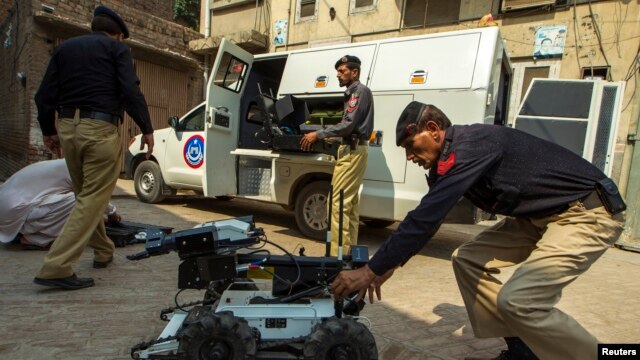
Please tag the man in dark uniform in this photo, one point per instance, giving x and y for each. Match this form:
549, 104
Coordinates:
354, 130
89, 80
562, 214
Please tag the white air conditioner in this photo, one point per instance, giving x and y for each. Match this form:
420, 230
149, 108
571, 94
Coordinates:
581, 115
512, 5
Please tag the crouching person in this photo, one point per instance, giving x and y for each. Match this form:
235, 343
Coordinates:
562, 213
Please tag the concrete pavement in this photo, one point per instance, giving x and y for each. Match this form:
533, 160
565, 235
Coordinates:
421, 316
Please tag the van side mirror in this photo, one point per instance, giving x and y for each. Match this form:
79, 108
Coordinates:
173, 122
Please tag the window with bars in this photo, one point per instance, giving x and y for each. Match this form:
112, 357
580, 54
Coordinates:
356, 6
421, 13
306, 10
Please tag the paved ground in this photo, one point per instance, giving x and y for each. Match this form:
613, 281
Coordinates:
421, 315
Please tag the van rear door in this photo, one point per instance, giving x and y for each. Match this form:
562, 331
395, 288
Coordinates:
226, 85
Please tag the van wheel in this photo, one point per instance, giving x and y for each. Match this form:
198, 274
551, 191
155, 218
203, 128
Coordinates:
377, 223
148, 182
311, 210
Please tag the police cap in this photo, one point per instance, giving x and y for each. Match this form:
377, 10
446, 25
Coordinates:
350, 60
105, 11
408, 121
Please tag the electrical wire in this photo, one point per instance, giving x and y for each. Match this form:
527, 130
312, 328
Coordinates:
291, 284
175, 300
599, 37
575, 35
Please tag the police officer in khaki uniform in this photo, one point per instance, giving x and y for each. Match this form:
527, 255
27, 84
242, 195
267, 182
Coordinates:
89, 81
354, 130
562, 213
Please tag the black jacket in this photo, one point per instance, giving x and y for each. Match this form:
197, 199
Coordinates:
91, 72
500, 170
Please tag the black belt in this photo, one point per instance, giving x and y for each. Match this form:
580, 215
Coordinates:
71, 113
346, 141
592, 201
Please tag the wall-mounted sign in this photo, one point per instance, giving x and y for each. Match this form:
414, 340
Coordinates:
549, 41
280, 31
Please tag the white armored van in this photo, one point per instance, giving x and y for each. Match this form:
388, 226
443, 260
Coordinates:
220, 149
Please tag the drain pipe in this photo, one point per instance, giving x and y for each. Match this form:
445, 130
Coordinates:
207, 34
630, 239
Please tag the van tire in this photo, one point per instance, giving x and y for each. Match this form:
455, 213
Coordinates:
148, 182
311, 210
377, 223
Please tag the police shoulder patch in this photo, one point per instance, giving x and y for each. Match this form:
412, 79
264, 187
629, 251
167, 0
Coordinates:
445, 165
353, 103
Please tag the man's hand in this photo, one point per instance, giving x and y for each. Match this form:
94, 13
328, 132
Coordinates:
147, 139
114, 218
52, 142
349, 281
362, 280
308, 140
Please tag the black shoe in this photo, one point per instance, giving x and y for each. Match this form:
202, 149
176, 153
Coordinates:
102, 264
69, 283
518, 350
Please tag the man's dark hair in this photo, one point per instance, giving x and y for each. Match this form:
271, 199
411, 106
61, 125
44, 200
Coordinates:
106, 24
353, 66
432, 113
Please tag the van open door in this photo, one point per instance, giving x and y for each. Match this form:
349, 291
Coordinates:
224, 92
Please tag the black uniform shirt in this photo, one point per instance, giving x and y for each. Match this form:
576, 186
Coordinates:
91, 72
357, 117
500, 170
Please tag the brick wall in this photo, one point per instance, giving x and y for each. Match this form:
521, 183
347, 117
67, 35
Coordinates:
160, 8
30, 47
5, 5
15, 98
147, 24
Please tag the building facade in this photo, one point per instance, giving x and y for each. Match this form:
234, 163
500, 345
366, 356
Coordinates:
591, 38
171, 76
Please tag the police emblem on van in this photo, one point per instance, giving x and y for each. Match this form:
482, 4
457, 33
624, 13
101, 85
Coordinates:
194, 151
418, 77
321, 81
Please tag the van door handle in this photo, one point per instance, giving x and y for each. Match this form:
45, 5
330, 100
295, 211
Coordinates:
223, 108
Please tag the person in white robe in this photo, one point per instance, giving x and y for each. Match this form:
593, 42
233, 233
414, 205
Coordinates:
36, 202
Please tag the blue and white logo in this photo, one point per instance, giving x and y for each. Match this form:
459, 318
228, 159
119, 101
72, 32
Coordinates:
194, 151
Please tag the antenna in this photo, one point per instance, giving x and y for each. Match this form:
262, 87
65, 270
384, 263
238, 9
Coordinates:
339, 304
328, 243
340, 228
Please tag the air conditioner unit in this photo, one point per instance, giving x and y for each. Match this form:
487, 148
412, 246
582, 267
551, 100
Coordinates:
512, 5
581, 115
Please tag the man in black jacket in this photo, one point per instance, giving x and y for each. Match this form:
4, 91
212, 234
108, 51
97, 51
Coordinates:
562, 214
89, 81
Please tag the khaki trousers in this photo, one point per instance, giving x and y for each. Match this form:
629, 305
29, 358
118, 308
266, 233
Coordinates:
552, 252
347, 176
92, 150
